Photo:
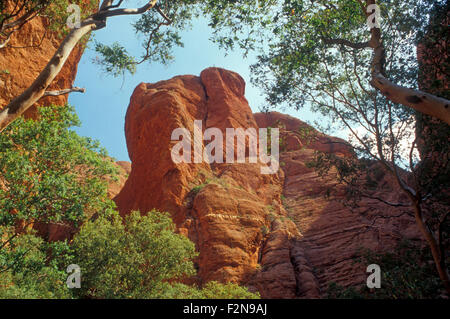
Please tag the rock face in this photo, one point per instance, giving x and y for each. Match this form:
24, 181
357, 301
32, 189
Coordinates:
285, 235
27, 53
432, 53
114, 187
331, 232
223, 208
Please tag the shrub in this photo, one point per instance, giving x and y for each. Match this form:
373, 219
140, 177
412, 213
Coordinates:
140, 258
49, 173
29, 271
406, 273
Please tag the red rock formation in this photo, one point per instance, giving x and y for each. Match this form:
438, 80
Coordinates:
277, 234
114, 187
332, 233
27, 53
433, 55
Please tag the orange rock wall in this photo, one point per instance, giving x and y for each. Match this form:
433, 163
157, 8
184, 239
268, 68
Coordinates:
277, 234
31, 49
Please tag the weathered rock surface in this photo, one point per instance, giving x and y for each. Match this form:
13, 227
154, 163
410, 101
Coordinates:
223, 208
114, 187
27, 53
286, 235
331, 232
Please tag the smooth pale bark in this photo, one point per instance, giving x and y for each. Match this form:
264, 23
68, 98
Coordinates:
65, 91
38, 88
420, 101
33, 93
425, 103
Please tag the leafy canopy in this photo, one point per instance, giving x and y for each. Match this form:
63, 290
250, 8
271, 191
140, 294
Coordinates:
140, 257
28, 270
159, 35
51, 174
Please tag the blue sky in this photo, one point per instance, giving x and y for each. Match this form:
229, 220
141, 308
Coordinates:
102, 108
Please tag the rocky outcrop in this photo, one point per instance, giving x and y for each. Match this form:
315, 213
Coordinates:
223, 208
285, 235
433, 54
433, 135
331, 232
27, 53
115, 186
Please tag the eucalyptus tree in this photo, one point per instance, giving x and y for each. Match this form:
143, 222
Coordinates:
159, 23
355, 62
297, 32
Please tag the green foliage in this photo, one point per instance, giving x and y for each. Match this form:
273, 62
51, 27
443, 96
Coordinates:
58, 15
49, 173
133, 259
52, 175
159, 37
241, 24
406, 273
55, 11
140, 258
298, 66
31, 268
209, 179
197, 188
211, 290
115, 59
215, 290
348, 169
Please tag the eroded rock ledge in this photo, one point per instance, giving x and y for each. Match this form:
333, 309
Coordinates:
277, 234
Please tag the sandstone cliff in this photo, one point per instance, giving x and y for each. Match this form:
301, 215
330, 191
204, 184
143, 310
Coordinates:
27, 53
285, 235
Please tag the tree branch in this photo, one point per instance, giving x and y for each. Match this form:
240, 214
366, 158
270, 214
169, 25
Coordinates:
125, 11
5, 42
169, 21
65, 91
359, 45
385, 201
38, 88
421, 101
418, 100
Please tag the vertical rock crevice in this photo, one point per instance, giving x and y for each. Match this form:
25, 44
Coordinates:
226, 209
